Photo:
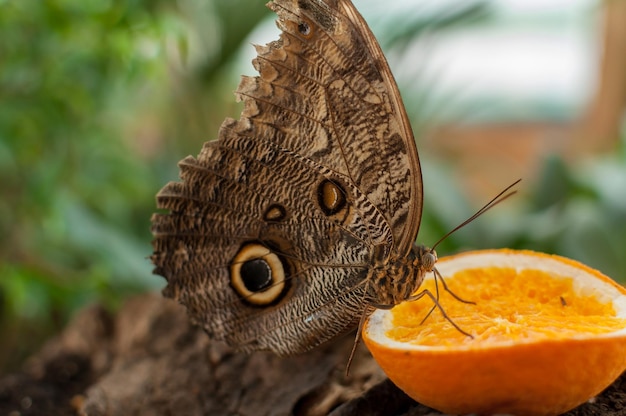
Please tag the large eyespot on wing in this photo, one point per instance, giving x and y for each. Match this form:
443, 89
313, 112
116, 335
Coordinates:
258, 275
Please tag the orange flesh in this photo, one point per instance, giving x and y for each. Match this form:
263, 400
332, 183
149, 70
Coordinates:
525, 305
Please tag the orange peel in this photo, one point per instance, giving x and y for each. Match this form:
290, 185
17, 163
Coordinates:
549, 333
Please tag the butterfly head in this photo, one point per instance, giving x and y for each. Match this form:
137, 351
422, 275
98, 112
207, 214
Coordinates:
424, 257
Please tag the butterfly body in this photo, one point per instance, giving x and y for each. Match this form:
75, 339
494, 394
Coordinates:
398, 278
304, 212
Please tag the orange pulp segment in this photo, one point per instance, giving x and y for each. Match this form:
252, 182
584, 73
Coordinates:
510, 306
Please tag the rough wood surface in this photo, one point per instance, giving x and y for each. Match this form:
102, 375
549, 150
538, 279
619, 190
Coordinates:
148, 360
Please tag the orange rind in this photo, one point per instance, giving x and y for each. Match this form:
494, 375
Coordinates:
548, 334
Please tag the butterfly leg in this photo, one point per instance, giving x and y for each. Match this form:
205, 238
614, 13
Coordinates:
366, 312
438, 277
441, 309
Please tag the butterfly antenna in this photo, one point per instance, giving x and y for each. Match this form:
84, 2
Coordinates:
506, 192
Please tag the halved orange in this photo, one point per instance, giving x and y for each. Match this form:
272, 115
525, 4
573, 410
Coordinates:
548, 333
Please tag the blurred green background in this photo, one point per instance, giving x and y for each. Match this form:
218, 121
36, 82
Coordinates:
99, 99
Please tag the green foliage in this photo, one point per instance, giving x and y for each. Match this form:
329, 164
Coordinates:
580, 212
66, 166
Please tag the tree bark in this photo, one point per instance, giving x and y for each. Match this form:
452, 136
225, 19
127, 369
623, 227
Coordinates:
148, 360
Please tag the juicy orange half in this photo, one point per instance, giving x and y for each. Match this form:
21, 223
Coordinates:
548, 334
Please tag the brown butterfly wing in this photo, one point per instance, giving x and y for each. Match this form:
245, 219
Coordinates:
321, 172
357, 97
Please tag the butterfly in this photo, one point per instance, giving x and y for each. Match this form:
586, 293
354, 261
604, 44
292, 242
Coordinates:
302, 216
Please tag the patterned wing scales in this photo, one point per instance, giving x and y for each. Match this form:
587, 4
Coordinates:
319, 169
372, 142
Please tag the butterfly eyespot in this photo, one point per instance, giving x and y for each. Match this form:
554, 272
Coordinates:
257, 275
331, 197
275, 213
305, 29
